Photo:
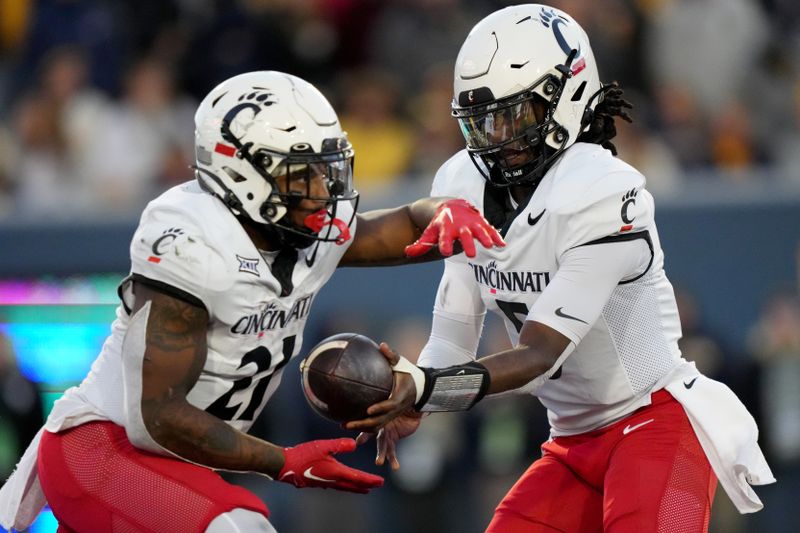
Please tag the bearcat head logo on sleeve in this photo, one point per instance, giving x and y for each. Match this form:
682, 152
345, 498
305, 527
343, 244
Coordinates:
628, 199
162, 244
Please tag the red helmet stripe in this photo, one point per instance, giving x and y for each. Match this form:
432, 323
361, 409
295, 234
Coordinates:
224, 149
578, 66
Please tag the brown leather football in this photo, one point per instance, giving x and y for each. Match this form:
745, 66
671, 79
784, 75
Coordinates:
343, 375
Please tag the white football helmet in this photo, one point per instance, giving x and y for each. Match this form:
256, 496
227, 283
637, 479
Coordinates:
259, 125
525, 86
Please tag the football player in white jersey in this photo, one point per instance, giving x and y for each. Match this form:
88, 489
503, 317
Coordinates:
638, 435
224, 272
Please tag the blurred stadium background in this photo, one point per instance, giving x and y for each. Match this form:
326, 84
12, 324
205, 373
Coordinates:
96, 106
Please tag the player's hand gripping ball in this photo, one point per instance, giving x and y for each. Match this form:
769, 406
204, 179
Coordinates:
343, 375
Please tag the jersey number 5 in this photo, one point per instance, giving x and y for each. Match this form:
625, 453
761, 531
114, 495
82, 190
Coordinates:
262, 358
511, 310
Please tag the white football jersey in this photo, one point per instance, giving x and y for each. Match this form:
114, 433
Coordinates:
588, 197
191, 246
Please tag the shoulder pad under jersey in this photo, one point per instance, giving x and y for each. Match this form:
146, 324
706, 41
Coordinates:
587, 174
597, 196
179, 242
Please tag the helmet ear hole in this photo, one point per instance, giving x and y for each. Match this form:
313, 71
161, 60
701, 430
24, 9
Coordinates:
579, 92
235, 176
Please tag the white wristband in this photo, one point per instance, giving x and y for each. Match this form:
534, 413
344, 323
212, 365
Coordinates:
407, 367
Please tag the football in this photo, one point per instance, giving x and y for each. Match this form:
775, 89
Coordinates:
343, 375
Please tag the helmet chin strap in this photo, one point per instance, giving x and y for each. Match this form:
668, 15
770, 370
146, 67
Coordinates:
530, 172
288, 237
227, 196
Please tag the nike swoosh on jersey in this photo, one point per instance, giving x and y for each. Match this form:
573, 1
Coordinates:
310, 258
309, 475
690, 384
562, 314
630, 428
533, 220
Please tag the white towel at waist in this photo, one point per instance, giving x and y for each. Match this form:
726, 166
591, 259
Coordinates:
728, 435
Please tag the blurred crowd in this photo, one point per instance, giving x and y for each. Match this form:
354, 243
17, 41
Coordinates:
97, 97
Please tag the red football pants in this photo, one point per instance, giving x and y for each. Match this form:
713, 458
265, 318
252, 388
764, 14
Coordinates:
645, 473
96, 481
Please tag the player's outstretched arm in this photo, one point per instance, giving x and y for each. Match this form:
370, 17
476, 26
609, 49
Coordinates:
459, 387
174, 353
415, 232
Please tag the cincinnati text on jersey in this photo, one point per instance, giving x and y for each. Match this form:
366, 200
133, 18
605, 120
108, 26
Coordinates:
513, 281
271, 317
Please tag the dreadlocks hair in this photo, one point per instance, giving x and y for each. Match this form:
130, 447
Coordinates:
602, 128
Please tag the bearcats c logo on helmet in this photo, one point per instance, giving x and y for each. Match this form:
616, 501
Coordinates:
546, 16
254, 100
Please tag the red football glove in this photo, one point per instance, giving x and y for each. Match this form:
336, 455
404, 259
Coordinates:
455, 220
310, 465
